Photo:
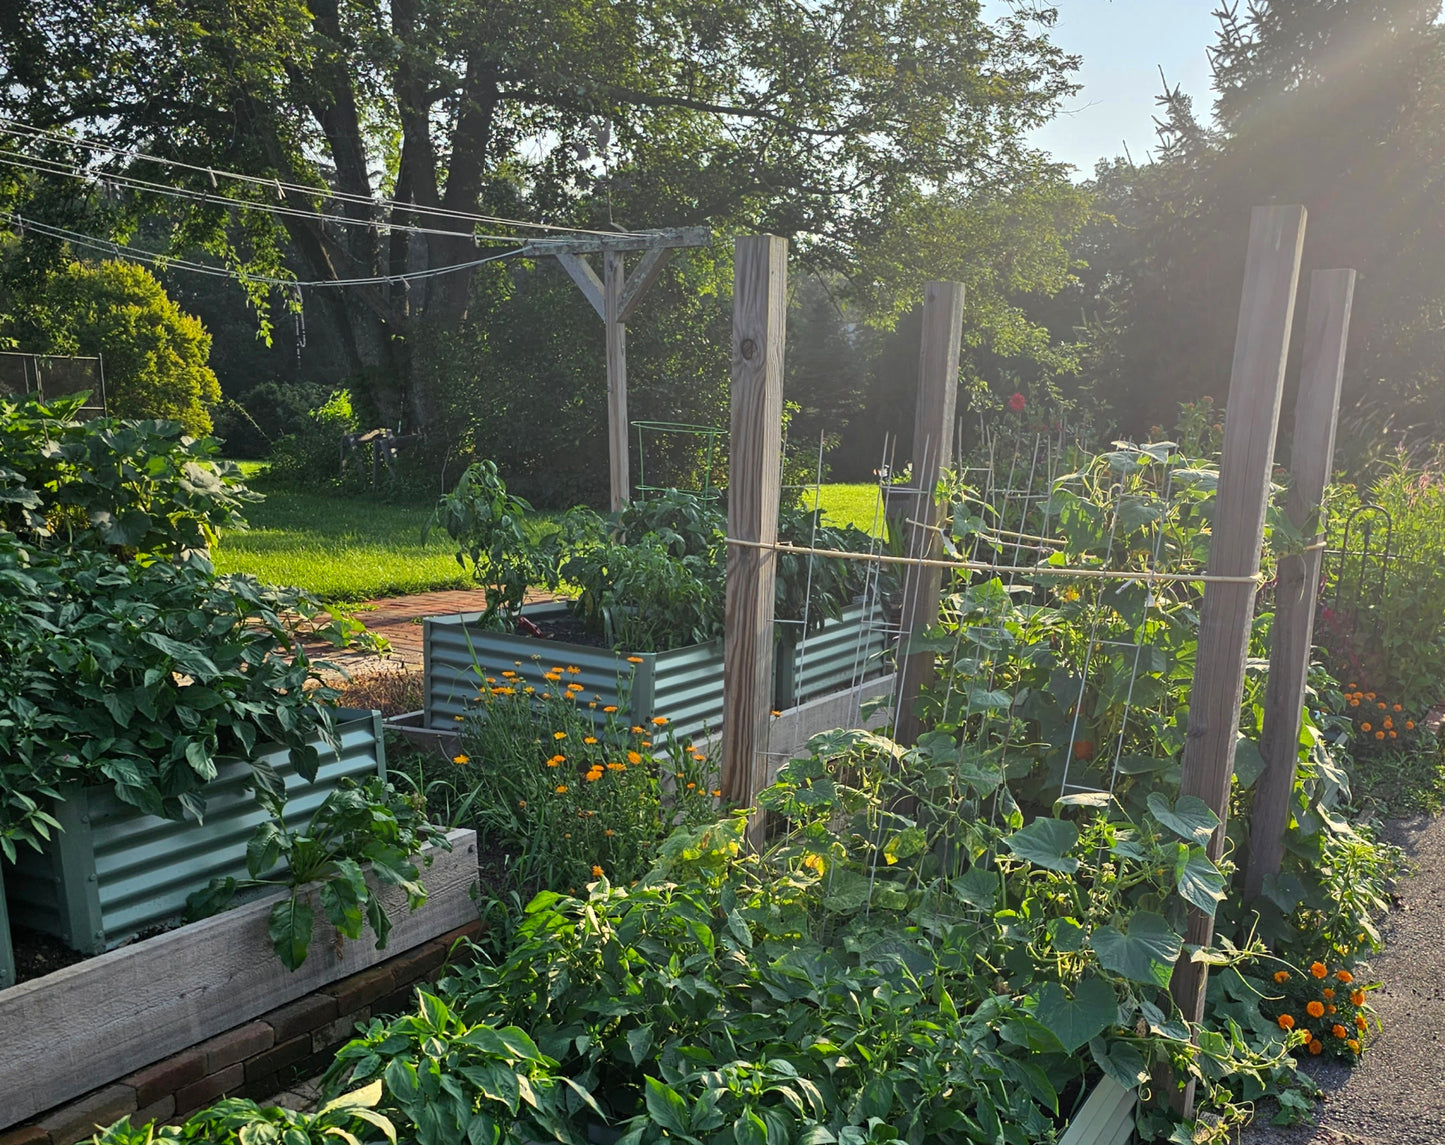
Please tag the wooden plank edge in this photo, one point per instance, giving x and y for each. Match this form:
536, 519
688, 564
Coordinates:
113, 1030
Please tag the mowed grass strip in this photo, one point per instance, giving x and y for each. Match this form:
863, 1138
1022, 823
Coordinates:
352, 549
849, 505
340, 548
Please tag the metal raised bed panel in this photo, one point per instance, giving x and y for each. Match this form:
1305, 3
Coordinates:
837, 655
115, 872
685, 684
7, 952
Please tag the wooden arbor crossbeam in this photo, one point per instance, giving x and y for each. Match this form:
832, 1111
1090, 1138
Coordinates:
615, 297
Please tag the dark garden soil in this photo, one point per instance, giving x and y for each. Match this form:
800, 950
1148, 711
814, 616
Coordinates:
1396, 1094
37, 955
566, 629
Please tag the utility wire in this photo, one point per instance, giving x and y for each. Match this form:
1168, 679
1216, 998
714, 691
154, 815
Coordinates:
45, 166
161, 262
21, 128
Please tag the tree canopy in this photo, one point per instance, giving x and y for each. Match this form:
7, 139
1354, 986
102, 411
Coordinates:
880, 136
154, 354
1336, 104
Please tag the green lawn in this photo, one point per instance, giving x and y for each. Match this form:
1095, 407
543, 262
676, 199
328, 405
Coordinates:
340, 548
850, 505
351, 549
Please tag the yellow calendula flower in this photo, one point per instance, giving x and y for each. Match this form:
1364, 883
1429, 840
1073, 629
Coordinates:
561, 789
610, 708
634, 757
596, 871
589, 739
660, 721
559, 735
460, 759
634, 659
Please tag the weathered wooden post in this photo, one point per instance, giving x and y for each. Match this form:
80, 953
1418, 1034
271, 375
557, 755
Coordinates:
1261, 347
760, 280
1327, 327
932, 454
614, 277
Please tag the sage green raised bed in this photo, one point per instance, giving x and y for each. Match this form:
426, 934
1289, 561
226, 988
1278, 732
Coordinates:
685, 685
836, 655
115, 872
7, 951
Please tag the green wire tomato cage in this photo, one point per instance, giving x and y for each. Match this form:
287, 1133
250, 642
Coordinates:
711, 435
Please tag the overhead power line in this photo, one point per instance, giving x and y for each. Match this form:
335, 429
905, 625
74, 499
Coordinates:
44, 166
280, 186
161, 262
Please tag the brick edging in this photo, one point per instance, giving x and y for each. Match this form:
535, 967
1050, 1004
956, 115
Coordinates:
257, 1059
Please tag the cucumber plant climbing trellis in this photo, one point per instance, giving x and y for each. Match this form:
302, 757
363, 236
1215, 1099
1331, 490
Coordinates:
1231, 579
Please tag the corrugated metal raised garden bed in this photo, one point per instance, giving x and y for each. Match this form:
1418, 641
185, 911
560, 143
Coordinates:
115, 872
684, 684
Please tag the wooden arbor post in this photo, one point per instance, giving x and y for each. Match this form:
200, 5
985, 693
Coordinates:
1327, 327
760, 282
1261, 347
932, 454
615, 297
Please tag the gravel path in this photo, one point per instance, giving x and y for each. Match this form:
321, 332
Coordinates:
1396, 1095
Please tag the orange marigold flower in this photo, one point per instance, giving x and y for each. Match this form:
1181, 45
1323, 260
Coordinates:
1399, 707
1360, 1022
1286, 1022
1344, 976
1351, 686
1381, 705
1357, 998
1318, 969
1389, 723
596, 871
1339, 1031
1394, 735
522, 803
1315, 1046
1281, 975
1330, 1009
1367, 726
1315, 1009
1379, 735
717, 792
692, 786
1409, 725
1354, 703
609, 832
1328, 992
1354, 1045
1369, 695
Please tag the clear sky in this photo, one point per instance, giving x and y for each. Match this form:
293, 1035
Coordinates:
1123, 44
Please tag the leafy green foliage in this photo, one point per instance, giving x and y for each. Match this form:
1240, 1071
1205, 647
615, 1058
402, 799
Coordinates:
487, 523
562, 789
356, 824
127, 486
128, 661
155, 355
350, 1118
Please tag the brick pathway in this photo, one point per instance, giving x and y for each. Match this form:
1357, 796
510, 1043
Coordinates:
399, 620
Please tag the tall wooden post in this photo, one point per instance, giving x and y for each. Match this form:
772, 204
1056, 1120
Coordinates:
614, 278
1327, 326
1261, 347
760, 281
932, 454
